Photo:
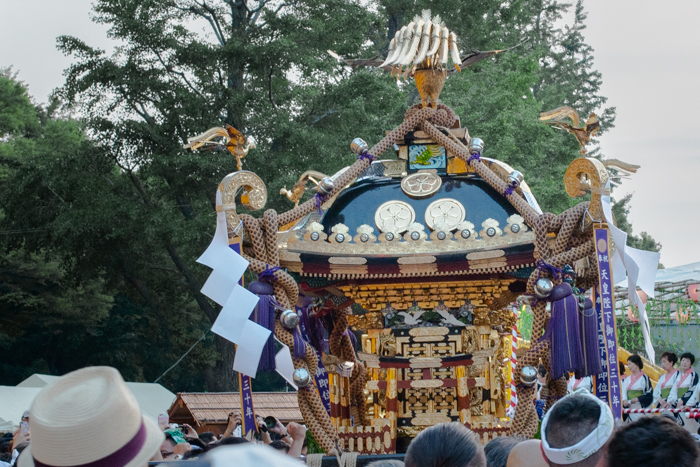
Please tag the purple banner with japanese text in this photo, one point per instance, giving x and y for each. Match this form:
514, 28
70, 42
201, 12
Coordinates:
601, 382
247, 411
607, 306
321, 378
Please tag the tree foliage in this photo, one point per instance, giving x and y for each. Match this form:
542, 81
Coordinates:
107, 212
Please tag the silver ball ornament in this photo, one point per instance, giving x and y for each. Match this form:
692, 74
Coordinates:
326, 185
476, 146
359, 146
516, 177
302, 378
528, 375
543, 287
289, 319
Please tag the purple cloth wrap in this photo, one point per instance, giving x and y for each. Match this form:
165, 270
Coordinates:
264, 315
299, 344
511, 188
366, 156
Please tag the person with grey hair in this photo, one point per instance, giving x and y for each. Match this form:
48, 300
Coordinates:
498, 449
445, 445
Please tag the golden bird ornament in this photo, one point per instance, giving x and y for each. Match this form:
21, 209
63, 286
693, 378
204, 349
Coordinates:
583, 133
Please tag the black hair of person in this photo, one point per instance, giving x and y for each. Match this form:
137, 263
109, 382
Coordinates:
498, 449
637, 360
689, 356
445, 445
671, 357
571, 420
652, 441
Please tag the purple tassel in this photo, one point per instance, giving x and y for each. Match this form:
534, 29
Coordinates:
589, 339
299, 344
264, 315
563, 332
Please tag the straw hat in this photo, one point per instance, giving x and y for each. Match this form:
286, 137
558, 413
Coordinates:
89, 417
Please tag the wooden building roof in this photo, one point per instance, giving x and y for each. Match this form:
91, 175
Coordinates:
213, 408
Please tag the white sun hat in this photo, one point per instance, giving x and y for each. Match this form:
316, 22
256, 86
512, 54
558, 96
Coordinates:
89, 417
250, 455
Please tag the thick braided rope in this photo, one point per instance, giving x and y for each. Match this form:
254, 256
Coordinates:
291, 289
314, 412
265, 248
361, 164
461, 151
526, 420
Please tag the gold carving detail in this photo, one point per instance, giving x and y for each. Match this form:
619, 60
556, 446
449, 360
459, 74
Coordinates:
347, 260
416, 260
254, 198
427, 383
433, 331
588, 175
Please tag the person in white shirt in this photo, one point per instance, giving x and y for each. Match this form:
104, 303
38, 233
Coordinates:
578, 383
636, 389
666, 381
684, 392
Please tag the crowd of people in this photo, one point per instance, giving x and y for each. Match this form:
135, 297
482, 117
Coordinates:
90, 418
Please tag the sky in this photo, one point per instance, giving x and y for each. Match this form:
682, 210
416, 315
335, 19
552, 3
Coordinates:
647, 52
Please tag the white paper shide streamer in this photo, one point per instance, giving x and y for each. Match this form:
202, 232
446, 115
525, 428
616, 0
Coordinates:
233, 323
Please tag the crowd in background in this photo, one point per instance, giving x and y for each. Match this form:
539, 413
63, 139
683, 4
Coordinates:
89, 417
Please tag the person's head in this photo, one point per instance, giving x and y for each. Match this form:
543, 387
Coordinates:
668, 360
653, 442
89, 416
280, 445
623, 368
386, 463
687, 361
208, 437
575, 430
167, 448
635, 364
527, 454
498, 449
445, 445
231, 440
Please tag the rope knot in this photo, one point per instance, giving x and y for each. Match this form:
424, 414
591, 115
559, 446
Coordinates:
268, 275
319, 199
366, 156
474, 156
542, 266
511, 188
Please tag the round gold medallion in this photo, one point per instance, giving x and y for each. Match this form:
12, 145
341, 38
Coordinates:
421, 184
444, 214
394, 216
